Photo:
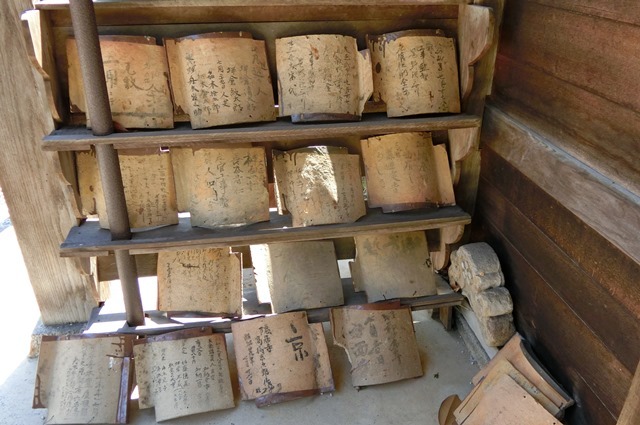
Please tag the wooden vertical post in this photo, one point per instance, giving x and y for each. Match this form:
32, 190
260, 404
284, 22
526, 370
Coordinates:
630, 414
85, 30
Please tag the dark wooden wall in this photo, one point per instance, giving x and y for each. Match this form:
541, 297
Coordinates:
558, 196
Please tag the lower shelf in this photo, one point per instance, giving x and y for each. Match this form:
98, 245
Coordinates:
104, 321
89, 239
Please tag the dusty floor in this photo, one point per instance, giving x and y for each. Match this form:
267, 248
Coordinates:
447, 364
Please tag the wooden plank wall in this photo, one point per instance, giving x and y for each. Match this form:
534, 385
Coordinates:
40, 201
558, 196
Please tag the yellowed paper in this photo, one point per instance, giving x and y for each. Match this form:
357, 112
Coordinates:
399, 170
225, 186
297, 275
415, 74
136, 72
394, 265
281, 357
381, 344
320, 74
83, 380
221, 79
183, 376
319, 186
149, 189
203, 280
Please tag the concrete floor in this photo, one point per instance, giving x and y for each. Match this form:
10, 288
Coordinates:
447, 364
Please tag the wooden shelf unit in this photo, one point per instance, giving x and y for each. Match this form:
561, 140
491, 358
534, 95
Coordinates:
473, 26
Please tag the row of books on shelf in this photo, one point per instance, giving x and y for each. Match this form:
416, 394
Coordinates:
224, 78
88, 378
227, 185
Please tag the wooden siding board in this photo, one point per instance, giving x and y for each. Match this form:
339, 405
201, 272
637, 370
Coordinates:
589, 301
594, 200
596, 54
600, 133
566, 347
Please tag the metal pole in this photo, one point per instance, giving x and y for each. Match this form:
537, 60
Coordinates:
85, 30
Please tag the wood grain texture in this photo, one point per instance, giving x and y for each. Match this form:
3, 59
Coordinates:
627, 11
601, 312
74, 138
89, 238
581, 363
599, 55
608, 211
39, 199
631, 411
151, 12
606, 141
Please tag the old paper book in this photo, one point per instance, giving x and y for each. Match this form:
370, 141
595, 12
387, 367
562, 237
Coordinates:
220, 79
322, 78
415, 72
506, 403
149, 188
222, 186
401, 171
319, 185
380, 342
183, 373
137, 81
84, 379
393, 265
281, 358
202, 280
297, 275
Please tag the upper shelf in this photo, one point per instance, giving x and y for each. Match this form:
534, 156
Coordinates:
80, 138
89, 239
150, 12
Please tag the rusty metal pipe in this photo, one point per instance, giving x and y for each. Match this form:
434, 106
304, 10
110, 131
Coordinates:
85, 30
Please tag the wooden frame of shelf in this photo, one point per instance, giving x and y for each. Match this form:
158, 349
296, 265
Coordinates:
473, 26
90, 240
81, 138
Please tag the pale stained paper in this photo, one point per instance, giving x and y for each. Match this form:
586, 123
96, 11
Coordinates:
88, 176
399, 169
322, 74
219, 80
223, 186
415, 74
149, 189
136, 73
394, 265
79, 380
281, 354
319, 186
381, 344
184, 376
297, 275
203, 280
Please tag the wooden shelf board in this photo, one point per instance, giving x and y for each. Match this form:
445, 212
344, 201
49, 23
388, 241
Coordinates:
153, 12
79, 138
89, 239
103, 321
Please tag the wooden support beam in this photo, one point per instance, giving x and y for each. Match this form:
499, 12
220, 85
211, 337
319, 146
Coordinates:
40, 200
630, 414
